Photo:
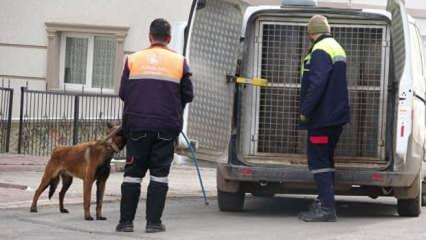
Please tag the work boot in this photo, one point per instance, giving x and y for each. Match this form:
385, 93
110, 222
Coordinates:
154, 227
319, 214
315, 204
124, 227
130, 193
155, 202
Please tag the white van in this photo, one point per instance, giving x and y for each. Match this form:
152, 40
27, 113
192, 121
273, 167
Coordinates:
253, 130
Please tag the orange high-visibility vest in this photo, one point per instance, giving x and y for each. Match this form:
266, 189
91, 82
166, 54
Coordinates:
158, 63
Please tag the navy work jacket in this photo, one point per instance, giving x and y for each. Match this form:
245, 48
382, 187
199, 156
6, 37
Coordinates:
324, 93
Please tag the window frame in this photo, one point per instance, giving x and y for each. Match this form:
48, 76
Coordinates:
88, 86
89, 63
56, 45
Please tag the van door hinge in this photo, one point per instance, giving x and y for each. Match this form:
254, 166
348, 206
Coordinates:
253, 138
386, 44
258, 39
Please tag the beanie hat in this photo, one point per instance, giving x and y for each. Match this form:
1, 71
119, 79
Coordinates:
318, 24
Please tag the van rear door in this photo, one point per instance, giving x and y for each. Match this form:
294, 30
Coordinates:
402, 75
212, 48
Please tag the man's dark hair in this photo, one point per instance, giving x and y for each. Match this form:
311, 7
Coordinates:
160, 29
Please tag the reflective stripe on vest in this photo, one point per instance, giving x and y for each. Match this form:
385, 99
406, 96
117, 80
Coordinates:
331, 47
156, 63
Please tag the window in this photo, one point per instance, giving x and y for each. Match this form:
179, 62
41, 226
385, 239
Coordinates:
84, 56
87, 61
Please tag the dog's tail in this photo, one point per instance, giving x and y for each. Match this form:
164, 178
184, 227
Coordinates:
52, 186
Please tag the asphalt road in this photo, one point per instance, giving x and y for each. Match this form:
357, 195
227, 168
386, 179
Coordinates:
187, 218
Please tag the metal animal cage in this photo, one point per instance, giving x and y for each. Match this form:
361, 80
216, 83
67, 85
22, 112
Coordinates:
280, 50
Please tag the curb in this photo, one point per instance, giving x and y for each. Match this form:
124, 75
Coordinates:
12, 185
115, 167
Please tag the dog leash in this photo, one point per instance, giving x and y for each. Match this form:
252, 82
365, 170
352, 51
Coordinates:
106, 138
197, 167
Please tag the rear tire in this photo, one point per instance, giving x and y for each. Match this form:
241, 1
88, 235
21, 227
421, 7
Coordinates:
411, 207
230, 201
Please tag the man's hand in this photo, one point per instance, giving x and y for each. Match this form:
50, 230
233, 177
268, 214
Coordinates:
302, 118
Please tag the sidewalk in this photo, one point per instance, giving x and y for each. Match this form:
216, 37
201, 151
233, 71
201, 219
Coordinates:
21, 174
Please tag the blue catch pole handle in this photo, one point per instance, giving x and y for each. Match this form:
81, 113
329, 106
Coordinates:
197, 167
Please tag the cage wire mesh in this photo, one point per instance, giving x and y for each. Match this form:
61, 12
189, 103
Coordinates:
283, 46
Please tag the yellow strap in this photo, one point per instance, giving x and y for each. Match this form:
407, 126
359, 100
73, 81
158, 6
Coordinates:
259, 82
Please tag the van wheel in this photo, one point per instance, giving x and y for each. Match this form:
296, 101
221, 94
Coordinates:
230, 201
411, 207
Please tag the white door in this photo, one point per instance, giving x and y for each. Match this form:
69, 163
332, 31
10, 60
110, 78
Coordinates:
402, 75
212, 48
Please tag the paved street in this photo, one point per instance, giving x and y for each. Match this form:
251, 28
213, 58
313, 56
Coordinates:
185, 216
21, 175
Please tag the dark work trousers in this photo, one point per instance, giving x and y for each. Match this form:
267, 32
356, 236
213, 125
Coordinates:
321, 145
151, 151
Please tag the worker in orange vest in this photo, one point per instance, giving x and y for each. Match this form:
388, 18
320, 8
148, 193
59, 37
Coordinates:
155, 87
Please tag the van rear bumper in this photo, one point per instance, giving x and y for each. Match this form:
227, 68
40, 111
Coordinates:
363, 177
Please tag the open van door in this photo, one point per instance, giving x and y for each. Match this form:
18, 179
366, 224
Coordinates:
212, 49
410, 104
402, 76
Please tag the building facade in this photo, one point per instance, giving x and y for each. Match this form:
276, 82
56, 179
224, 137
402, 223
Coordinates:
75, 45
80, 45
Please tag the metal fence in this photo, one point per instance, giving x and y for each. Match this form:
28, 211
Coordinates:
50, 118
281, 51
6, 100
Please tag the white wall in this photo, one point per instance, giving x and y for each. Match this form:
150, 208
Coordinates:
23, 36
23, 61
22, 21
416, 4
22, 24
421, 22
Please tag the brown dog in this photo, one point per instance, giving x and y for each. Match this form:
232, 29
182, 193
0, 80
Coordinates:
88, 161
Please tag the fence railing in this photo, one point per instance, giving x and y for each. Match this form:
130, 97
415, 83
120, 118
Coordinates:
6, 100
49, 118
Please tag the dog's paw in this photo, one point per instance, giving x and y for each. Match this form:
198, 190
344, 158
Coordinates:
89, 218
101, 218
33, 209
64, 210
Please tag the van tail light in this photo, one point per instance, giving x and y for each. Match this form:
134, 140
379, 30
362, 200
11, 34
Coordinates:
402, 131
377, 177
247, 172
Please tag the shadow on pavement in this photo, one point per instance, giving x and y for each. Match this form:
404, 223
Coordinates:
281, 206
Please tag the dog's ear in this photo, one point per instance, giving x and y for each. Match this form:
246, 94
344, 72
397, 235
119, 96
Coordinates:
109, 125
